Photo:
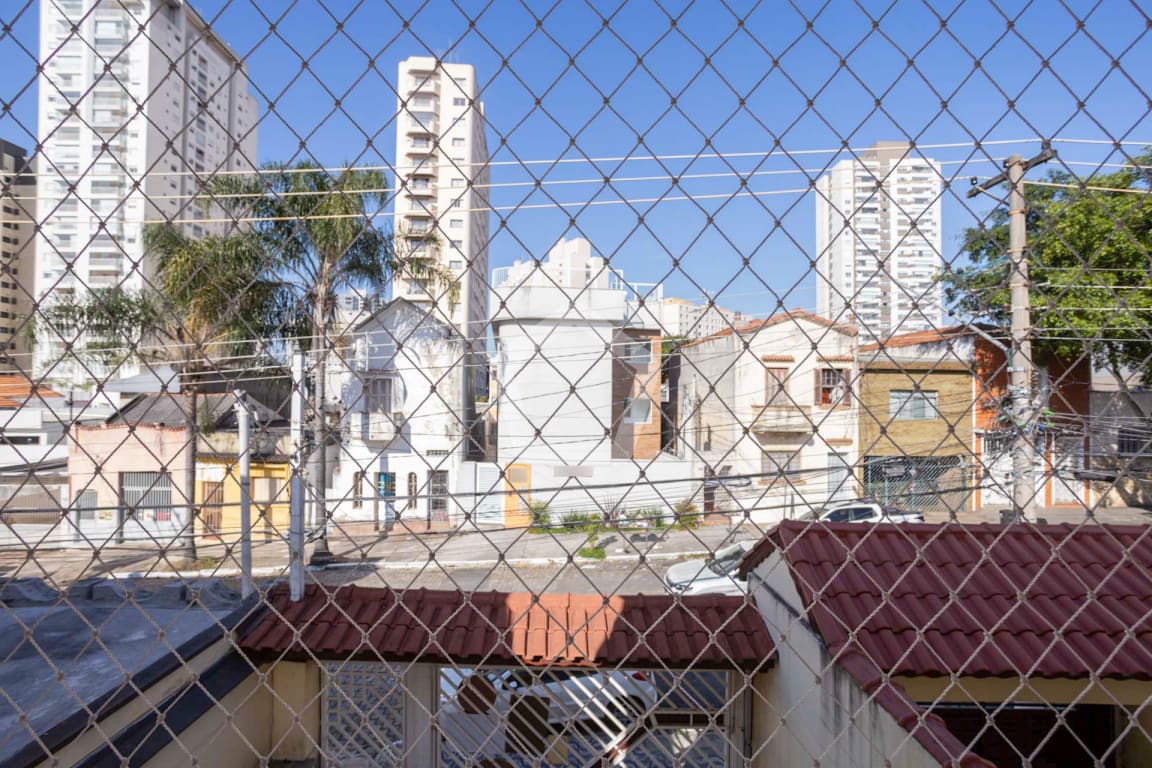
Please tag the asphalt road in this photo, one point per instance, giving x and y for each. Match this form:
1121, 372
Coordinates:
599, 578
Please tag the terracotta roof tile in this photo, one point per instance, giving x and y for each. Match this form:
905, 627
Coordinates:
982, 601
1056, 601
792, 314
501, 628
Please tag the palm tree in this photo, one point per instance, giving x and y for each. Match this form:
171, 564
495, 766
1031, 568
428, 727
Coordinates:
211, 296
321, 226
215, 297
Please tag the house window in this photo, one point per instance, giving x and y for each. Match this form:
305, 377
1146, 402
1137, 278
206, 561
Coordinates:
357, 490
912, 405
1133, 442
438, 494
637, 353
386, 485
378, 395
637, 410
831, 386
775, 392
773, 463
413, 490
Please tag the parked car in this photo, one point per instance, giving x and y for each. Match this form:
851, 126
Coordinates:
866, 512
715, 575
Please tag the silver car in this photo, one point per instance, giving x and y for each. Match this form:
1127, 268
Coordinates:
715, 575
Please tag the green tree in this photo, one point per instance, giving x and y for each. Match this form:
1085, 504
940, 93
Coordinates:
1090, 268
322, 228
211, 297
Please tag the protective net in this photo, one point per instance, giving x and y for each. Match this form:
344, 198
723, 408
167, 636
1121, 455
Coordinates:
638, 383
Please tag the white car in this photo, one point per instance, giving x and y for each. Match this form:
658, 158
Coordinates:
866, 512
715, 575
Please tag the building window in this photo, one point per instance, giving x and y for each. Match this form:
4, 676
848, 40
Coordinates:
386, 485
456, 223
413, 490
357, 490
456, 264
1133, 442
457, 183
912, 405
438, 494
378, 395
637, 410
459, 101
831, 386
637, 353
773, 463
775, 390
457, 142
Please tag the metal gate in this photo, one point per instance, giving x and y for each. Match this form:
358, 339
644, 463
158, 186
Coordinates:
923, 483
145, 499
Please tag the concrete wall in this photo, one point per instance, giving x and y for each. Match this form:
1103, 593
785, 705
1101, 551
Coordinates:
806, 710
98, 455
1112, 410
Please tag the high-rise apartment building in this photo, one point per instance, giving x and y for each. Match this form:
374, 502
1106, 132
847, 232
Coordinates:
878, 241
442, 182
17, 209
140, 102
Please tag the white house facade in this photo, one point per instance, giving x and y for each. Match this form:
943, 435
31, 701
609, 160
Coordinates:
408, 412
581, 405
768, 415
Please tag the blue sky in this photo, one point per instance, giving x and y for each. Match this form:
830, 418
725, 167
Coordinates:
747, 78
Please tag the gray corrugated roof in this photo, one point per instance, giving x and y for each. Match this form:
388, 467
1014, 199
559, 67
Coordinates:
169, 409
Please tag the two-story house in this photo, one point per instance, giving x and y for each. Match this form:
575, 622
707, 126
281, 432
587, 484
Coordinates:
768, 415
405, 382
580, 399
935, 429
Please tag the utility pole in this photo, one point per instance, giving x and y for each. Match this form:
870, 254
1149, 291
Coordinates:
296, 487
244, 448
1020, 359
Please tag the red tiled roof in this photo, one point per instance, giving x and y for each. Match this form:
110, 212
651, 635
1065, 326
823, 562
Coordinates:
637, 631
1051, 601
919, 337
792, 314
984, 601
16, 391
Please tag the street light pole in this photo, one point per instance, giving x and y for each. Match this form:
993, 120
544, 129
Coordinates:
1020, 357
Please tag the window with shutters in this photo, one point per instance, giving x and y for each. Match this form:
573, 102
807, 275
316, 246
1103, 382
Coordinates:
831, 386
775, 389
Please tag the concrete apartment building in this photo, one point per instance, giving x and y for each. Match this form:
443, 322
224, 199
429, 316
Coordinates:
442, 182
878, 241
17, 253
156, 112
581, 400
689, 320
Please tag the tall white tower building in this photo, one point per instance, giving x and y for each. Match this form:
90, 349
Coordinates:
442, 182
160, 104
878, 241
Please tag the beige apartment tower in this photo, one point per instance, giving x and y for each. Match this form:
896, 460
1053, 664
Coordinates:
442, 188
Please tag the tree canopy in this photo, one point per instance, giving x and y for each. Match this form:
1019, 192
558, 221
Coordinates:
1090, 267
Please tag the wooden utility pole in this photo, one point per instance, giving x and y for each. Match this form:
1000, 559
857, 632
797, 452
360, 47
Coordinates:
1020, 361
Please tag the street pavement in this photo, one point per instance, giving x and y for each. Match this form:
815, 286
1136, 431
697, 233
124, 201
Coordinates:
507, 560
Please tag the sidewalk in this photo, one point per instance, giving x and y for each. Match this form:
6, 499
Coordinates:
356, 544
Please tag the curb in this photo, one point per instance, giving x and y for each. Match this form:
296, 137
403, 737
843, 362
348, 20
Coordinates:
411, 565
